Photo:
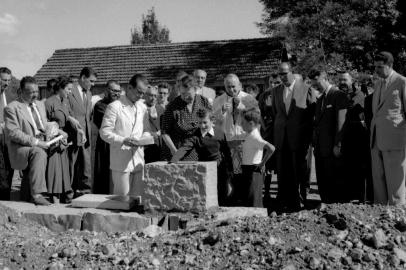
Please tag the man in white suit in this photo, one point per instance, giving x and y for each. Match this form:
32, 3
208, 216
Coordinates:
125, 122
388, 133
25, 125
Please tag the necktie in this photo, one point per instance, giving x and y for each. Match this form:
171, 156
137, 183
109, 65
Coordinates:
84, 98
322, 100
288, 98
36, 118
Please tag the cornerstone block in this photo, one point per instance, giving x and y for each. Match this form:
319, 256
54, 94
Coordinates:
184, 186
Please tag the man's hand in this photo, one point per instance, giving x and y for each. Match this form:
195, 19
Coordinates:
63, 133
82, 135
226, 107
43, 145
129, 142
268, 101
337, 151
75, 123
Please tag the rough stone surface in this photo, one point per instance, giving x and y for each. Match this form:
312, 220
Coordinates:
113, 202
183, 187
107, 222
60, 217
225, 213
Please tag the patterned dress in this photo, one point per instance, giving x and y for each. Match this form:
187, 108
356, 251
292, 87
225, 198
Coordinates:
180, 124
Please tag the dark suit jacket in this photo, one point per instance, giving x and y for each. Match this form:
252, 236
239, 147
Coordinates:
368, 111
296, 124
326, 134
81, 113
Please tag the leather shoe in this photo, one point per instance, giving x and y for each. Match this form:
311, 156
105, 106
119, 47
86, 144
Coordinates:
79, 193
40, 200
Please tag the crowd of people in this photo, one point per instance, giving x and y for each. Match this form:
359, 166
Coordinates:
356, 133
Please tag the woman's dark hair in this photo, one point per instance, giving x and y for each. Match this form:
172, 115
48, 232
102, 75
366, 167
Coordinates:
61, 83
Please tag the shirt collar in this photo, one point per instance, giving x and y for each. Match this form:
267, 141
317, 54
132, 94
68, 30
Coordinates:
388, 78
328, 88
292, 85
211, 132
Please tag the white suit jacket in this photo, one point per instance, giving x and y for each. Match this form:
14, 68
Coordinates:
225, 120
124, 119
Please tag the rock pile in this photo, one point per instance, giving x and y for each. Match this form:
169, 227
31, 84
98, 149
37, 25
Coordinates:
337, 237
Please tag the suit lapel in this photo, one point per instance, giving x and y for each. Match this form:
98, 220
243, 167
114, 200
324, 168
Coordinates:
375, 97
78, 98
26, 114
387, 90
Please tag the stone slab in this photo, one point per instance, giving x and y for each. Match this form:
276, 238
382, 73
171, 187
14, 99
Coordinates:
112, 202
182, 187
62, 217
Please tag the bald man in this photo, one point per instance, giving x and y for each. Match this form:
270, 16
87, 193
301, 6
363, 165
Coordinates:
355, 142
228, 109
293, 111
200, 79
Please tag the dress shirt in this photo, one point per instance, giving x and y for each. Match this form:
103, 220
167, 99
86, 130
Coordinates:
232, 129
384, 85
210, 132
36, 128
288, 94
253, 148
207, 92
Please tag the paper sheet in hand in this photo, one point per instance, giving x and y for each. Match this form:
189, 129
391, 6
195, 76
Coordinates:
146, 140
54, 140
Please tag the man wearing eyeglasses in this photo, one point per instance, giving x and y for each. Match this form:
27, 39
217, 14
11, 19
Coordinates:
125, 125
6, 172
102, 173
153, 151
292, 107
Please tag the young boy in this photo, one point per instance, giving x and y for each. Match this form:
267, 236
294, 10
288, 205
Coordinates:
253, 160
210, 145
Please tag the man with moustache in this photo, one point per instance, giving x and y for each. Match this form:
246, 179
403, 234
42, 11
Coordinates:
331, 108
200, 79
228, 109
25, 125
80, 152
102, 174
292, 107
6, 172
153, 151
355, 146
388, 133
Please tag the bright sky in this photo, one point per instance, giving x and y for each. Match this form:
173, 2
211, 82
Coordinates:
31, 30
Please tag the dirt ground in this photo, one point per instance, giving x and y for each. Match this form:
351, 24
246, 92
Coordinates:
344, 236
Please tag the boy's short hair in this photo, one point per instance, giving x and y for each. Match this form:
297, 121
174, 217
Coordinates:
252, 115
203, 113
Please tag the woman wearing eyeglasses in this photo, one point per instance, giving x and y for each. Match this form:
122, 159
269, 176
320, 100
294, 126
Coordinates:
180, 121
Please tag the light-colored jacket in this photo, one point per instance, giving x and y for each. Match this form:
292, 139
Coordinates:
388, 126
20, 132
124, 119
225, 120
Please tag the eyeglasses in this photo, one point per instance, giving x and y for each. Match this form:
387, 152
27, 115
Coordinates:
283, 73
114, 90
163, 93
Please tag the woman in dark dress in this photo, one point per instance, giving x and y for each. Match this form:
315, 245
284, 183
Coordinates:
58, 177
179, 121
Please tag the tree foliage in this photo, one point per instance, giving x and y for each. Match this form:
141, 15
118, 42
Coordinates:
151, 31
340, 34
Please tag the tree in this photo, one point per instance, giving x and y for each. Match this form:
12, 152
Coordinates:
151, 31
340, 34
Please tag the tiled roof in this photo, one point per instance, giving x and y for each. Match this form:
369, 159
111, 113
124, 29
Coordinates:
248, 58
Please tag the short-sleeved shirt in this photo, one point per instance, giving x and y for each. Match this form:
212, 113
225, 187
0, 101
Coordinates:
253, 148
180, 124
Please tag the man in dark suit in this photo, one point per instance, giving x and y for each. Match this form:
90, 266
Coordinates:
293, 111
25, 125
6, 172
331, 109
80, 152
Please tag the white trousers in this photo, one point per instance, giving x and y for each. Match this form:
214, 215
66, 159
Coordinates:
126, 183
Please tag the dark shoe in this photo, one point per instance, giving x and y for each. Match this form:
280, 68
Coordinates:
79, 193
40, 200
67, 197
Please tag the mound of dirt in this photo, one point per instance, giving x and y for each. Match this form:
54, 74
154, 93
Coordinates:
345, 236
